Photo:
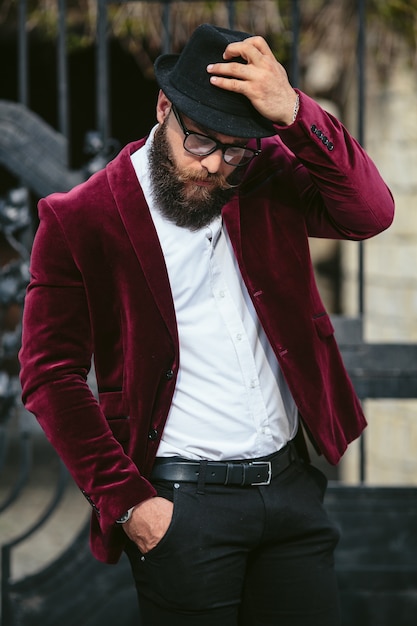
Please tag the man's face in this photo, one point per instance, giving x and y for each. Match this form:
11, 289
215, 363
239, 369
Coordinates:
190, 190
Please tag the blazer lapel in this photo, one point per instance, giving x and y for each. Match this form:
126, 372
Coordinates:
140, 229
231, 219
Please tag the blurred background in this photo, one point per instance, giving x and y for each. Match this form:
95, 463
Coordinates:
76, 84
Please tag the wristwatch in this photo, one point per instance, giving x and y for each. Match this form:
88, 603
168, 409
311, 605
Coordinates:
126, 517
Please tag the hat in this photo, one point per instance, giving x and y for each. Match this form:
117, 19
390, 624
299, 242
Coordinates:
185, 81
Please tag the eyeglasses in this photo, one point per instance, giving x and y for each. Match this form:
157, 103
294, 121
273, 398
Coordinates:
203, 145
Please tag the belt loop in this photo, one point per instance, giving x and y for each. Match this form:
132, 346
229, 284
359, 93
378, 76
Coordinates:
229, 470
202, 477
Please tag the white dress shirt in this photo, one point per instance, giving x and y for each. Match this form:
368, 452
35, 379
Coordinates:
231, 400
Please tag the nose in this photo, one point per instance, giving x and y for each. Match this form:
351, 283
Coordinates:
213, 162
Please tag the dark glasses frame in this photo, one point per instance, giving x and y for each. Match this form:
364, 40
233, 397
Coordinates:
229, 151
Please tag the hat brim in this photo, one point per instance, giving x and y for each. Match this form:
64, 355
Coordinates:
251, 125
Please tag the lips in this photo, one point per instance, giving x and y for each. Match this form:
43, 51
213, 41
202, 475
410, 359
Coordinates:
203, 183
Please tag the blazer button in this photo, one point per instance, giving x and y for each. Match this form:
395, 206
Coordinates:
169, 374
153, 434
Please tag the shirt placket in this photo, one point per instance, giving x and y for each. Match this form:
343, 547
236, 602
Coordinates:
238, 337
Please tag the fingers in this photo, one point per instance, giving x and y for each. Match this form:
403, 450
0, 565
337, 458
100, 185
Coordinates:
232, 70
249, 49
262, 79
230, 84
232, 75
254, 50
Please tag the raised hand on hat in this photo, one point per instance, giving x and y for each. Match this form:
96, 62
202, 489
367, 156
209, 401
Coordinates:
262, 79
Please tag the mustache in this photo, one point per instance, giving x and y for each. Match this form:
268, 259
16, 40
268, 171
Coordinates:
188, 176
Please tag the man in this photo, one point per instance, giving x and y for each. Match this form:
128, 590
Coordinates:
183, 268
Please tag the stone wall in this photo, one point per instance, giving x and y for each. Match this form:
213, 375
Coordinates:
390, 274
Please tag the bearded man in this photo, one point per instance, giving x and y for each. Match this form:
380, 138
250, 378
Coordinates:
183, 270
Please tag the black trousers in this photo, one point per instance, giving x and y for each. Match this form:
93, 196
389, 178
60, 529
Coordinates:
242, 556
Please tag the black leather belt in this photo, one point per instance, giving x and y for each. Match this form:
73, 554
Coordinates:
245, 473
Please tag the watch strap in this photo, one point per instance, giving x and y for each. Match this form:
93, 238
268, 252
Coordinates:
126, 517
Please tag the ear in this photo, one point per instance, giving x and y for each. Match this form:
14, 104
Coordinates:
163, 107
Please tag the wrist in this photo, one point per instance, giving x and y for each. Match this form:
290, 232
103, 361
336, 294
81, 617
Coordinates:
292, 105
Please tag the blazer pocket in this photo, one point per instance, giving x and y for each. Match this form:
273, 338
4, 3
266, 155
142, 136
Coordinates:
323, 325
114, 407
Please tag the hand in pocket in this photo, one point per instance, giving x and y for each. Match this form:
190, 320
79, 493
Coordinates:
149, 522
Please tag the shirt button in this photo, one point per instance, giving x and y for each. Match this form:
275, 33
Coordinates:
239, 337
222, 294
169, 374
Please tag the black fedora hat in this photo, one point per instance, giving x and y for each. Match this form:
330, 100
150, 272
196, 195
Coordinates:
185, 81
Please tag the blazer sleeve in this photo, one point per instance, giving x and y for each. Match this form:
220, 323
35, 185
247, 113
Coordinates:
341, 190
55, 359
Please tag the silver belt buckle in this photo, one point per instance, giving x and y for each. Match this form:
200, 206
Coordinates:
268, 480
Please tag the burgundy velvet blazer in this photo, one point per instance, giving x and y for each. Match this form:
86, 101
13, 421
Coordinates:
99, 287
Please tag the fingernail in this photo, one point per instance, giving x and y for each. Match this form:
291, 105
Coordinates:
210, 67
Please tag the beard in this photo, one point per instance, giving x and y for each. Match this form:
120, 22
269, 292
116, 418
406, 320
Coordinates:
188, 205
